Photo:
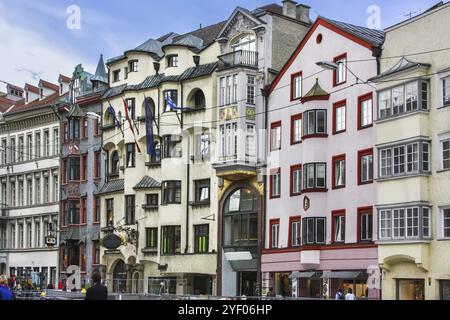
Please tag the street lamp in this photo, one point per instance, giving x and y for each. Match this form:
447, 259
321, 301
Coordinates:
328, 65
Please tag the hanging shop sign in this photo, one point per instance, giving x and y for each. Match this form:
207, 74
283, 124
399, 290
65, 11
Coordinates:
250, 113
112, 241
306, 203
227, 114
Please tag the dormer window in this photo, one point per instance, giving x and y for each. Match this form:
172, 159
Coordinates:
61, 88
172, 61
133, 66
26, 97
41, 92
116, 75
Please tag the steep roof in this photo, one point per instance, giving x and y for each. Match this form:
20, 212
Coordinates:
100, 73
20, 106
316, 93
112, 186
48, 85
147, 183
31, 88
64, 78
402, 65
5, 103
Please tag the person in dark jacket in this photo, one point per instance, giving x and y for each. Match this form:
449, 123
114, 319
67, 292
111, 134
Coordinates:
97, 291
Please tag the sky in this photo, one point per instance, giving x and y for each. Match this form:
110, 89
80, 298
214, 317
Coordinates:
39, 39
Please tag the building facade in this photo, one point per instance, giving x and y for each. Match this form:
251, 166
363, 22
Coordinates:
29, 174
160, 203
82, 167
413, 133
254, 45
320, 228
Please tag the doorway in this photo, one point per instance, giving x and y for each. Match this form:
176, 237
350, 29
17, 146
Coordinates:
410, 289
247, 283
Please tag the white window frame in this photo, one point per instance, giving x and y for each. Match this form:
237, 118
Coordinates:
276, 184
296, 181
366, 112
443, 220
275, 235
297, 87
341, 117
297, 130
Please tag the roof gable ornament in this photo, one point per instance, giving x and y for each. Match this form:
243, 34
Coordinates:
240, 20
316, 93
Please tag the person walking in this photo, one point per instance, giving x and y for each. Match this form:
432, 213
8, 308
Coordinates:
339, 295
271, 293
97, 291
350, 295
5, 291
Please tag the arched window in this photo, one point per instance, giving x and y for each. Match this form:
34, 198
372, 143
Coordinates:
197, 100
120, 277
115, 163
245, 43
241, 218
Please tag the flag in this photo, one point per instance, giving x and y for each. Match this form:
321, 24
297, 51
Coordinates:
172, 105
130, 122
149, 128
113, 114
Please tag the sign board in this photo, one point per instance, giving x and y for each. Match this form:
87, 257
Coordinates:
50, 241
227, 114
112, 241
250, 113
306, 203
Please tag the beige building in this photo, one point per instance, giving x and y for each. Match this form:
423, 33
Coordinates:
161, 205
413, 142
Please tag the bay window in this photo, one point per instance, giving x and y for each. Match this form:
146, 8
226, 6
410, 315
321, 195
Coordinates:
171, 148
314, 231
251, 90
74, 169
314, 123
407, 159
228, 141
412, 96
314, 176
404, 223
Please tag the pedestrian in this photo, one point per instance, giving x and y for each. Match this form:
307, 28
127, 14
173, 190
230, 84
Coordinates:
339, 295
271, 293
350, 295
97, 291
5, 291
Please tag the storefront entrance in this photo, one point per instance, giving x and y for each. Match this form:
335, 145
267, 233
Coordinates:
120, 278
410, 289
247, 283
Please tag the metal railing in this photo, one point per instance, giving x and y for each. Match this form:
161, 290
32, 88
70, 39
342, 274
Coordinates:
239, 58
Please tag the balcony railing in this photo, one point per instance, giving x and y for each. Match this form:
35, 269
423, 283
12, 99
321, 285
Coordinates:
239, 58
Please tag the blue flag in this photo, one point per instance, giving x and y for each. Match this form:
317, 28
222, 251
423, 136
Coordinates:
112, 112
172, 105
149, 128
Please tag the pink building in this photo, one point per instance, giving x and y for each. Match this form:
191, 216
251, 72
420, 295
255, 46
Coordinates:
320, 219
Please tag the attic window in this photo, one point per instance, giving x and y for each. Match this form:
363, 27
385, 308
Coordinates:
41, 92
319, 38
133, 66
172, 61
116, 75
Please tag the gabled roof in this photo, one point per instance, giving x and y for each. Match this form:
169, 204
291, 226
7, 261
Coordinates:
20, 106
48, 85
5, 104
63, 78
230, 20
31, 88
113, 186
365, 37
147, 183
402, 65
316, 93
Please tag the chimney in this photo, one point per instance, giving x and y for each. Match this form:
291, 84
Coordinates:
303, 13
289, 8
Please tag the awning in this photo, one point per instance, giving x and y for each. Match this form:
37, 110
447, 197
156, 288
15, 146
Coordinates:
347, 275
244, 265
302, 275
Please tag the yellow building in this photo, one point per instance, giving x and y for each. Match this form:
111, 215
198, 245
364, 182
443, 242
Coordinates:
413, 142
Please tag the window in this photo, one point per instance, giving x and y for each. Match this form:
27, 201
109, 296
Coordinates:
83, 217
74, 169
55, 188
402, 99
125, 73
228, 140
339, 172
202, 191
365, 111
404, 223
37, 193
314, 123
97, 209
275, 183
97, 164
251, 89
84, 159
172, 94
338, 227
250, 142
171, 192
96, 252
29, 192
201, 238
202, 143
74, 128
131, 155
21, 149
446, 91
446, 223
3, 151
133, 66
131, 105
234, 92
37, 145
340, 74
296, 86
74, 212
37, 234
446, 154
295, 231
339, 117
411, 158
97, 125
21, 193
56, 142
296, 180
109, 212
46, 189
365, 224
12, 192
274, 233
296, 129
171, 240
171, 148
115, 163
314, 176
84, 128
116, 75
314, 231
65, 132
152, 199
245, 43
172, 61
13, 150
130, 210
151, 238
275, 134
222, 86
365, 166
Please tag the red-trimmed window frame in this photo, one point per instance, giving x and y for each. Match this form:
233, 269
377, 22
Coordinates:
83, 173
361, 211
291, 221
361, 99
337, 105
97, 164
335, 214
64, 171
293, 77
96, 207
273, 126
94, 255
335, 60
363, 153
273, 222
341, 157
293, 119
64, 210
297, 167
273, 172
83, 211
